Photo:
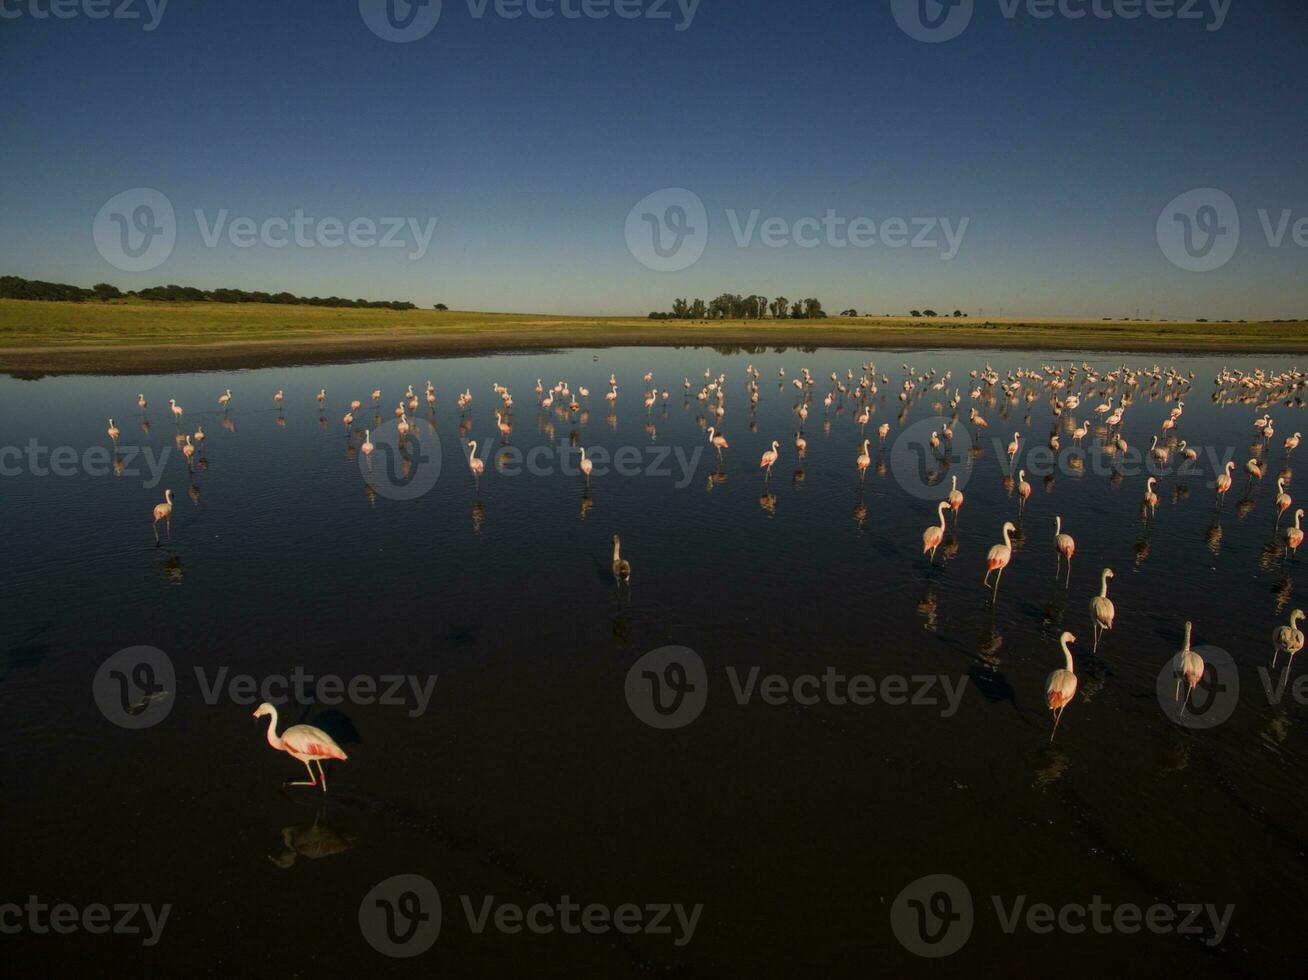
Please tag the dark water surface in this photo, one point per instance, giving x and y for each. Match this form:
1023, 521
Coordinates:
529, 776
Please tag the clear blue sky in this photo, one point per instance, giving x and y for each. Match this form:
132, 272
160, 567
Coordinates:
1059, 140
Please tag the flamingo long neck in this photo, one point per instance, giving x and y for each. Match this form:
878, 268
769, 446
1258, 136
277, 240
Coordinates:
1188, 628
944, 506
583, 454
1067, 656
273, 738
1295, 617
472, 448
168, 496
1103, 585
1007, 543
617, 549
1058, 526
1297, 515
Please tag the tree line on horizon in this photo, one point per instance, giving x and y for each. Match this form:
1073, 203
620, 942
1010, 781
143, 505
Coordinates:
16, 287
732, 306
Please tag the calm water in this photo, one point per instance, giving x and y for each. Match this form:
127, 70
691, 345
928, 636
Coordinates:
529, 776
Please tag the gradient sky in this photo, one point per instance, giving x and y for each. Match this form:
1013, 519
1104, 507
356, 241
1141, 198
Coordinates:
1059, 140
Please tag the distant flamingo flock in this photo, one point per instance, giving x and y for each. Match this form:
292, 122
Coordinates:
1069, 390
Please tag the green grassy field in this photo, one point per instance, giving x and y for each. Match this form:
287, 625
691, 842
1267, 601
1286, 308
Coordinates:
142, 335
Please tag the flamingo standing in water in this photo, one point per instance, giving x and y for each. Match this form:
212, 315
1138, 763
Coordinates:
1291, 444
225, 399
1023, 490
1288, 639
864, 461
474, 464
1013, 447
277, 398
1102, 610
1282, 499
1294, 535
177, 409
1151, 498
621, 567
801, 444
586, 465
164, 512
1060, 687
769, 459
303, 742
955, 499
883, 430
1188, 666
140, 400
367, 446
933, 535
999, 557
1224, 481
718, 440
1064, 547
112, 431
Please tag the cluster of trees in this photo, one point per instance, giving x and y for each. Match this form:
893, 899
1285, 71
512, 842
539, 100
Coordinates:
732, 306
14, 287
957, 313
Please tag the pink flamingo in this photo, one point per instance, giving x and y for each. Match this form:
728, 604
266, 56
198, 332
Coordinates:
177, 409
1224, 481
367, 446
1151, 498
1188, 666
935, 534
475, 464
225, 398
1023, 490
1288, 638
1102, 610
277, 398
586, 465
621, 567
999, 557
355, 405
1294, 535
1013, 447
718, 440
955, 497
769, 458
864, 461
883, 430
164, 512
1282, 499
140, 400
1064, 547
112, 431
303, 742
1060, 688
322, 396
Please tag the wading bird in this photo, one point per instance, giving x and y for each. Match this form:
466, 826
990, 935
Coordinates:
303, 742
1188, 666
1288, 639
1060, 687
999, 557
621, 567
1102, 610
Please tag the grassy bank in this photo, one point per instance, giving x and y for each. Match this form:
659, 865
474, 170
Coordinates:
126, 336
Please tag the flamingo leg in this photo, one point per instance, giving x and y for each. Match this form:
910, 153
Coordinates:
1068, 582
323, 773
313, 780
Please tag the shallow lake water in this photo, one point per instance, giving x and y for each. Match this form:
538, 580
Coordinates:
523, 760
